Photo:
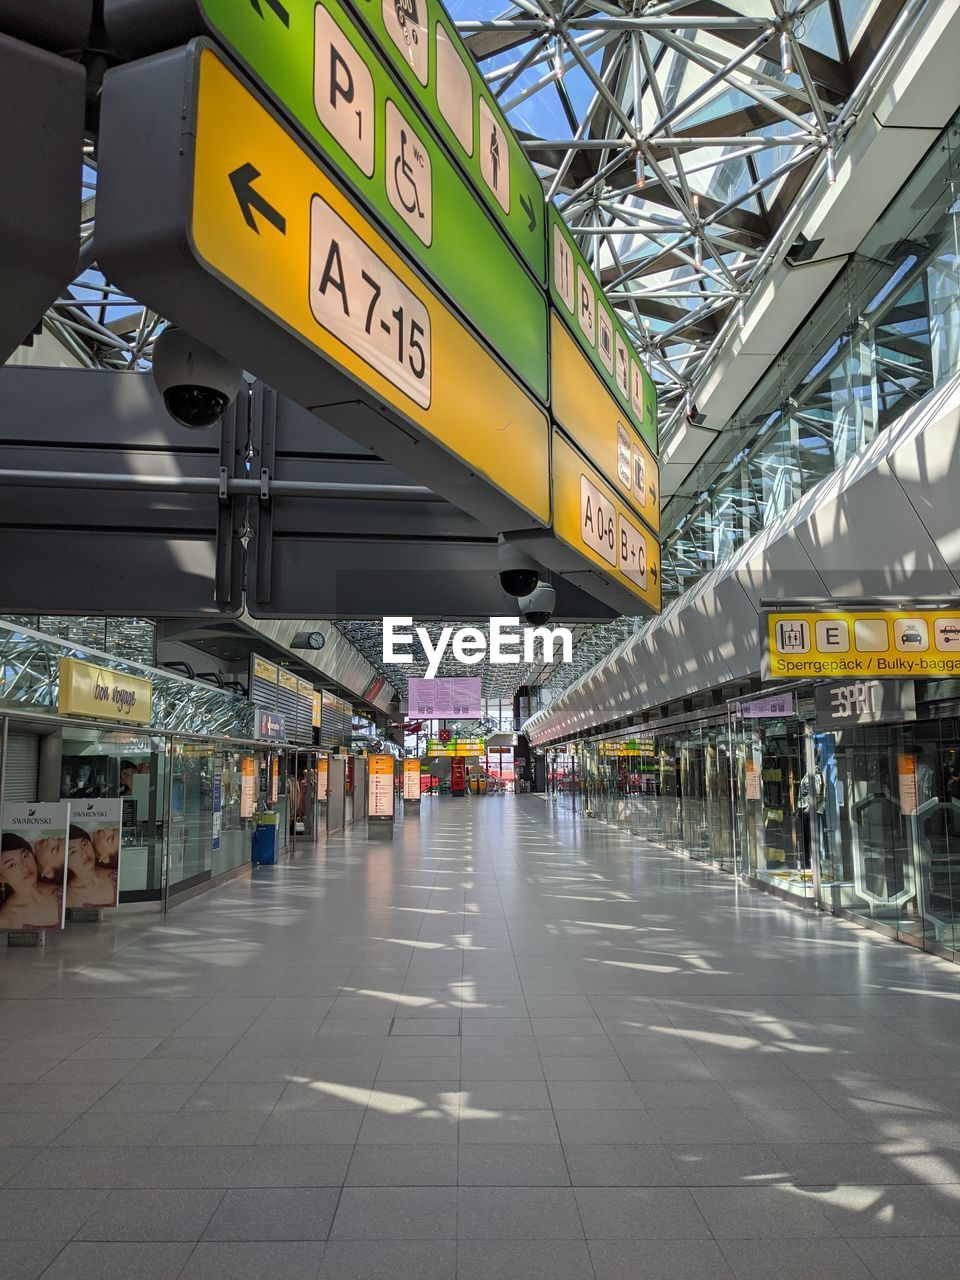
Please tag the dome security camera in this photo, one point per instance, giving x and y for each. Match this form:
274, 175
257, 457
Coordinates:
537, 608
519, 574
197, 385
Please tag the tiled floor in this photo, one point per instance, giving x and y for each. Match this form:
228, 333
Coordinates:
507, 1045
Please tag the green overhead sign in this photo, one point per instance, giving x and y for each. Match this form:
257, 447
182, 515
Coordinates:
321, 70
421, 40
578, 297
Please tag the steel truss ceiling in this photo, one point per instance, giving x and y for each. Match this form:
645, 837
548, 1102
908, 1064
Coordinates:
675, 136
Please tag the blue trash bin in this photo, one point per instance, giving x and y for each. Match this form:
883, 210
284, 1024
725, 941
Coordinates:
264, 849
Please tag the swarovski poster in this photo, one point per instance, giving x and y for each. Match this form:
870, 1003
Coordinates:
33, 865
93, 860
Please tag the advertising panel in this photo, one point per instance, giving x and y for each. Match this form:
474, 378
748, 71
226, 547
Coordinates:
33, 866
93, 858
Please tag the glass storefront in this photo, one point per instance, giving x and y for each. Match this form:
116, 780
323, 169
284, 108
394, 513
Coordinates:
862, 820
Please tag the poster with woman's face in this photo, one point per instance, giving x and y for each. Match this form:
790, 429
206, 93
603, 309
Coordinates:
33, 865
93, 853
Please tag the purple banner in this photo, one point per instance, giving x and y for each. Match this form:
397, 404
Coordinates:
771, 708
446, 698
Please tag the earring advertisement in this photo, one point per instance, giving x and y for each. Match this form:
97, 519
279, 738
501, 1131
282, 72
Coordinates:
33, 866
93, 864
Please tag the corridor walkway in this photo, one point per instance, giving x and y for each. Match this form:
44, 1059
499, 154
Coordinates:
507, 1045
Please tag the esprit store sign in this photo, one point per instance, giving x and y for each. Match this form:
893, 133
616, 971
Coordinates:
509, 644
87, 690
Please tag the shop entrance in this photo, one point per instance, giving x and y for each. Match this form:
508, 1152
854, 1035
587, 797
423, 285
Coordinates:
773, 847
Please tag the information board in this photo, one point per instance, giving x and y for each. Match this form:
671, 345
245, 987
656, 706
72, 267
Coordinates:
421, 41
264, 255
336, 721
288, 699
411, 781
322, 71
579, 298
264, 678
445, 698
456, 747
879, 643
304, 711
596, 524
591, 417
380, 788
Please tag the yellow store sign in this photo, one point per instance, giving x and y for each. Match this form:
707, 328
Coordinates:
898, 644
86, 690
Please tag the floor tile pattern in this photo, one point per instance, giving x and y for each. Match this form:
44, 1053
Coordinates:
503, 1043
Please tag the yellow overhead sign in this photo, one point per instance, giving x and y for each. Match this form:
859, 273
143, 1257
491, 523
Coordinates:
267, 219
893, 643
591, 519
86, 690
588, 413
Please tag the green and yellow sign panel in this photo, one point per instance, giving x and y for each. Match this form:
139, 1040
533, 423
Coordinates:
896, 644
596, 523
578, 297
419, 39
321, 71
270, 223
456, 747
591, 417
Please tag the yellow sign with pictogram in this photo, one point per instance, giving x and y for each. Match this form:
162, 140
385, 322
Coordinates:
591, 519
895, 644
589, 415
266, 218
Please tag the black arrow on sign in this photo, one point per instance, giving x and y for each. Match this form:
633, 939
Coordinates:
242, 181
277, 8
653, 493
530, 211
653, 572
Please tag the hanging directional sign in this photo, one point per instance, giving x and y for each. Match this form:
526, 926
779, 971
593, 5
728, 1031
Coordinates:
212, 213
591, 417
917, 643
322, 72
580, 300
420, 39
596, 524
597, 541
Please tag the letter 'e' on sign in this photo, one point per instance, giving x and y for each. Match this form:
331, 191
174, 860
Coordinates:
343, 91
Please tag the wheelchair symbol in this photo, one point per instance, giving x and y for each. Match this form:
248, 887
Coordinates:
404, 179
